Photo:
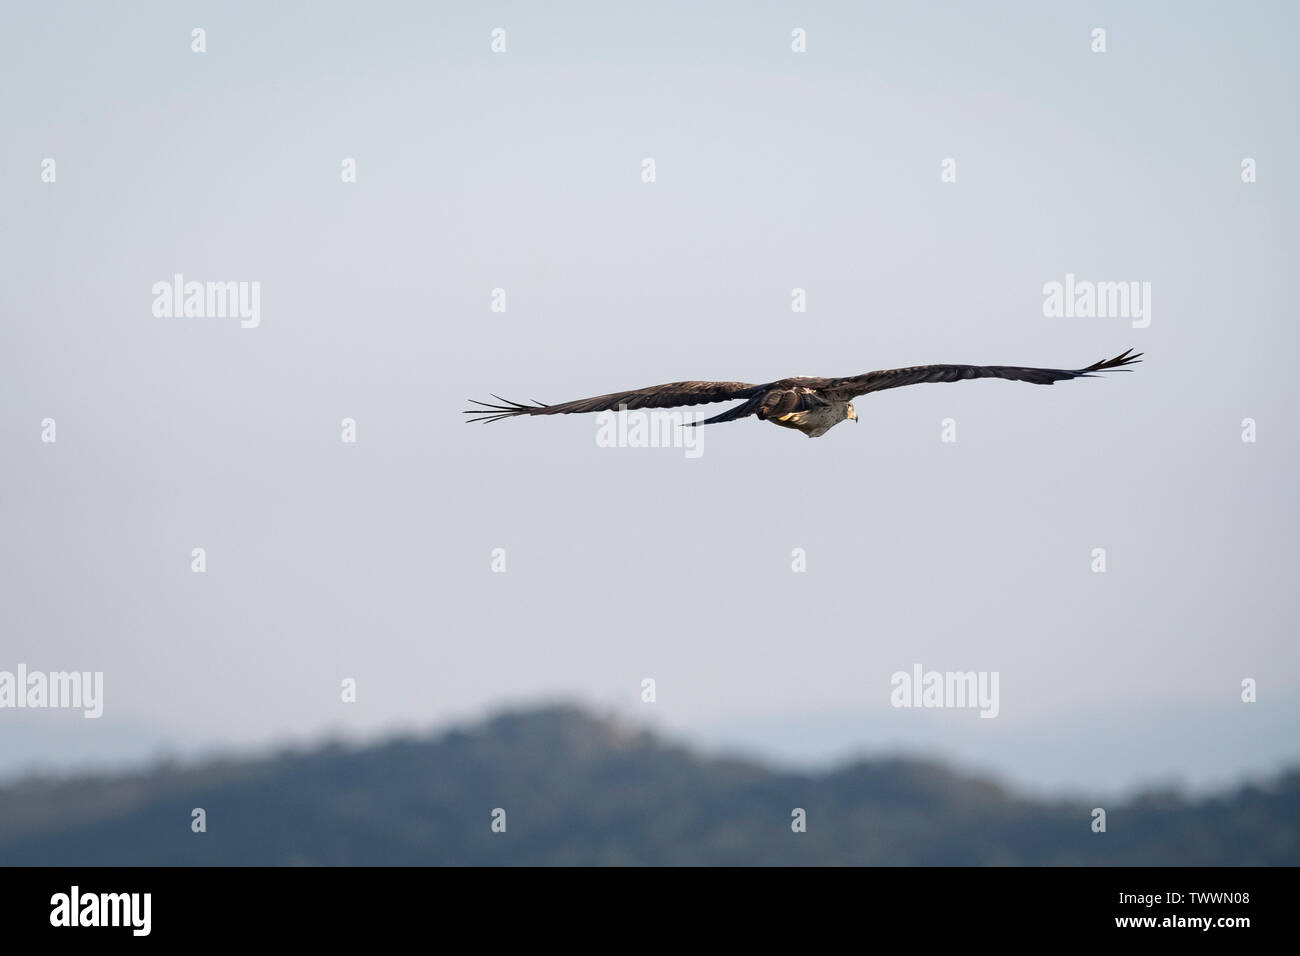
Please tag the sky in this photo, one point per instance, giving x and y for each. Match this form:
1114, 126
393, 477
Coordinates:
920, 171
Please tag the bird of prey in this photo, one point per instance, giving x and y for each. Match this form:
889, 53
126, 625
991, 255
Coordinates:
812, 405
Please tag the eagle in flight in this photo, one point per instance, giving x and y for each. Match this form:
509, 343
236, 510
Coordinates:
812, 405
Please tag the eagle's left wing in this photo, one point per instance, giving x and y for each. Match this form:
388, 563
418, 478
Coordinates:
844, 389
656, 396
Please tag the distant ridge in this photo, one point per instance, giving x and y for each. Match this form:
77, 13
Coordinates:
582, 790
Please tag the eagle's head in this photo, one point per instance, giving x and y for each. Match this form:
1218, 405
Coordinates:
850, 412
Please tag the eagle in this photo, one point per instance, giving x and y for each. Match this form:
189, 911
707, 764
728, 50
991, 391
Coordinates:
811, 405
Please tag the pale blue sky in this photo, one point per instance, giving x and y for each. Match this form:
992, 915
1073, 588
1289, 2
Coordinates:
775, 171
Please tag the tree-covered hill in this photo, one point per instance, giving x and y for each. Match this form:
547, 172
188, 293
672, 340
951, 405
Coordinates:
579, 790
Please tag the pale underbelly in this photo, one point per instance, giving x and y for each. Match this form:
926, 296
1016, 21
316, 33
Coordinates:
813, 423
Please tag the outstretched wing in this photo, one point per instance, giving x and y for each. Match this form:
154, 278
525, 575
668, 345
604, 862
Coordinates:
847, 388
656, 396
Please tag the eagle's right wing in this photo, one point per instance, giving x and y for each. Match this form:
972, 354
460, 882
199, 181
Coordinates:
848, 388
656, 396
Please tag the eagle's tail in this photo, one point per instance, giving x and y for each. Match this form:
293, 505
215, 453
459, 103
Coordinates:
743, 410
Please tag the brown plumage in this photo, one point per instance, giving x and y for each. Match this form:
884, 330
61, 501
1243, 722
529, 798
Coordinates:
811, 405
